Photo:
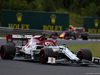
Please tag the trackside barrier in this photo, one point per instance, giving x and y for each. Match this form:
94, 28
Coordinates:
94, 36
4, 31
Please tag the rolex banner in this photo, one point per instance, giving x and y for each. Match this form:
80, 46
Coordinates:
92, 24
35, 20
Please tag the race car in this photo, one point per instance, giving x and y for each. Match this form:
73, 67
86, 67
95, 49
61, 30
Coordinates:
54, 35
38, 48
78, 33
69, 35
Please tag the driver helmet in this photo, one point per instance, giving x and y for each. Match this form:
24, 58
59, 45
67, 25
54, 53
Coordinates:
70, 26
48, 44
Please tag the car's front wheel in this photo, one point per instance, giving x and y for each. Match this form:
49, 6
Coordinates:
45, 53
84, 54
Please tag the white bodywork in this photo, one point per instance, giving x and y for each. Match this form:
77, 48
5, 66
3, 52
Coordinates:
31, 47
66, 51
69, 54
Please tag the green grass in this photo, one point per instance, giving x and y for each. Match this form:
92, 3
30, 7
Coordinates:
74, 19
95, 48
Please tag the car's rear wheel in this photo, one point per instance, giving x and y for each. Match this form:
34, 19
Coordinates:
85, 36
84, 54
75, 37
7, 51
45, 53
74, 34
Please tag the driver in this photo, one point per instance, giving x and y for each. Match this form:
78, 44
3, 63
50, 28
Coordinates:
71, 28
42, 38
49, 44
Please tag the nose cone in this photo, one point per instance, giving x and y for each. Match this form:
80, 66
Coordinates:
61, 35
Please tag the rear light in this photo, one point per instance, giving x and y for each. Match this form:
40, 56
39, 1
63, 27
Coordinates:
71, 37
52, 36
83, 29
66, 37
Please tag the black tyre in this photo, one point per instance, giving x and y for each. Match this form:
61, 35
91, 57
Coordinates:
7, 51
45, 53
84, 54
85, 36
75, 36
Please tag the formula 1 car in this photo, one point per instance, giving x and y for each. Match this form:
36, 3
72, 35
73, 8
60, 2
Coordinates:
54, 35
38, 48
78, 33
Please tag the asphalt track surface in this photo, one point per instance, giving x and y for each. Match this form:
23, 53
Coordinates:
20, 66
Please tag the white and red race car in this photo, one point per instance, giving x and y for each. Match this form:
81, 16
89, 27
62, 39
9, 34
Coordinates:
38, 48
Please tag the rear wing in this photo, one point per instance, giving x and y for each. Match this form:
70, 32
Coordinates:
21, 39
80, 29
